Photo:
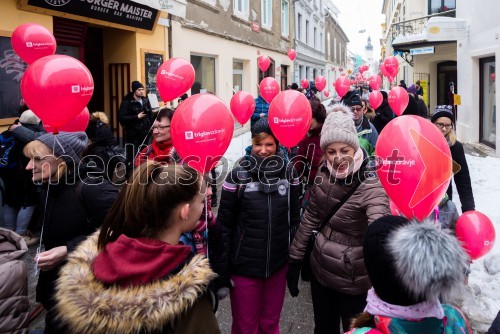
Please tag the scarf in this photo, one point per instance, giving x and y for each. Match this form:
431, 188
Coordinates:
161, 149
353, 168
267, 170
426, 309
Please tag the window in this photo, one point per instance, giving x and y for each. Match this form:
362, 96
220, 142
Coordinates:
241, 8
307, 32
237, 75
321, 41
328, 48
438, 6
299, 27
204, 68
266, 6
285, 18
335, 50
488, 117
315, 32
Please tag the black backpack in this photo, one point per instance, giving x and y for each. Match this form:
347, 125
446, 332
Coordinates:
7, 142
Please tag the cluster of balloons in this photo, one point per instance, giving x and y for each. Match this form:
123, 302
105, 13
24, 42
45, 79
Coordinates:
57, 88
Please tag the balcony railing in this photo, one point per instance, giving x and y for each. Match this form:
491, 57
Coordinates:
416, 26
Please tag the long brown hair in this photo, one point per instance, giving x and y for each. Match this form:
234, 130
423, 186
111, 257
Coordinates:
144, 207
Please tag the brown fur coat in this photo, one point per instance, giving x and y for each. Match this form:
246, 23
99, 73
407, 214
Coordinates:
177, 304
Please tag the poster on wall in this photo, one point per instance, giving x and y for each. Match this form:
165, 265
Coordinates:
151, 62
11, 72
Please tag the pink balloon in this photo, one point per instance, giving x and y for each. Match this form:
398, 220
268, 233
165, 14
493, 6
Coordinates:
269, 88
264, 63
32, 41
326, 93
341, 69
383, 70
361, 69
201, 130
493, 76
391, 65
292, 54
375, 99
342, 85
290, 117
242, 106
320, 83
79, 123
375, 81
415, 165
394, 208
56, 88
304, 83
476, 232
333, 68
398, 100
174, 78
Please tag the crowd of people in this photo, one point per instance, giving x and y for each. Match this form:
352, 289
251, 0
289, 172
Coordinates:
149, 255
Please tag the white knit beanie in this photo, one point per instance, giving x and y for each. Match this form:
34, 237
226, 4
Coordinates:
339, 128
28, 117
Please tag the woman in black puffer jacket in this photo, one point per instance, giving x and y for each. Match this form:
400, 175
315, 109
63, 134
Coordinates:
259, 210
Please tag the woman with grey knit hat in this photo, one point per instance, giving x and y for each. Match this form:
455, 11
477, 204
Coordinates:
342, 205
54, 162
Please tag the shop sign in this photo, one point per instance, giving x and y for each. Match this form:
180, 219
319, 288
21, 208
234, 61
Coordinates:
421, 51
121, 12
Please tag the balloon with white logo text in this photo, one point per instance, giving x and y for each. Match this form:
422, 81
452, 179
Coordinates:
242, 106
269, 88
174, 78
320, 83
201, 130
290, 117
32, 41
398, 100
57, 88
391, 65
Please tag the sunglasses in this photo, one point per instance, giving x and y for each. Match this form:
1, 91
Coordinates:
356, 109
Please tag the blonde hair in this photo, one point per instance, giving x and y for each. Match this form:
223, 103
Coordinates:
451, 137
38, 149
370, 114
101, 116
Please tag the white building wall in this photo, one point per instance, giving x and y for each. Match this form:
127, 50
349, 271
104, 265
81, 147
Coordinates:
482, 40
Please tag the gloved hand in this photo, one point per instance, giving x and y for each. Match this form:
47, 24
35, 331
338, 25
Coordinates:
222, 286
292, 277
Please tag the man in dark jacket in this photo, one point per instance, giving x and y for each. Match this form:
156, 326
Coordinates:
383, 114
136, 117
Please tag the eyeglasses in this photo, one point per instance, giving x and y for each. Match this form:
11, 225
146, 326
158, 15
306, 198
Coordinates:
443, 126
353, 109
160, 127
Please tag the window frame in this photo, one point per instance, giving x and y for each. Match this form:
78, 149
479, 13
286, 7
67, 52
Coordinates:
285, 18
266, 10
241, 13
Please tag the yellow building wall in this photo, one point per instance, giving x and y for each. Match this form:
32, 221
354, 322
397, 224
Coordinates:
11, 17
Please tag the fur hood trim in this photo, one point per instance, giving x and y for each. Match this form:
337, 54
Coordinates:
429, 261
89, 306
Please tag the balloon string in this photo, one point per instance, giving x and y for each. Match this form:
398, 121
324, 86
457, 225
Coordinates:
146, 137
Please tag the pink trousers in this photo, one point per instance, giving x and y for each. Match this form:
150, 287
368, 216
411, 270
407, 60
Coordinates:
256, 303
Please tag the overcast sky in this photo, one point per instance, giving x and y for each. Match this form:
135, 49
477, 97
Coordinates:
356, 15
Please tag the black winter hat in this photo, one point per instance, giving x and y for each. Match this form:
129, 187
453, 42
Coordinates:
411, 262
136, 85
262, 125
351, 99
442, 111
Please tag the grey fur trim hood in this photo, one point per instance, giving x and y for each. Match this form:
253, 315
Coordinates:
87, 305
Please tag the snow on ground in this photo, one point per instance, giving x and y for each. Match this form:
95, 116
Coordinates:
482, 302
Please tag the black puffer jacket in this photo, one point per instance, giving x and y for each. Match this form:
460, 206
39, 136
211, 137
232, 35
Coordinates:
66, 222
383, 115
256, 223
462, 178
127, 116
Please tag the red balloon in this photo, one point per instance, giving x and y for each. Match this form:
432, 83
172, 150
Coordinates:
290, 117
375, 81
304, 83
398, 100
269, 88
383, 70
493, 76
56, 88
201, 130
326, 93
292, 54
375, 99
79, 123
415, 165
320, 83
361, 69
264, 63
32, 41
391, 65
242, 106
342, 85
476, 232
341, 69
174, 78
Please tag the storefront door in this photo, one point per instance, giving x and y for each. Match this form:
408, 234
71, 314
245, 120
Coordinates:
487, 104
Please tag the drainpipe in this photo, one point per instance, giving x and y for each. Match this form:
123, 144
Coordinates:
295, 42
169, 33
